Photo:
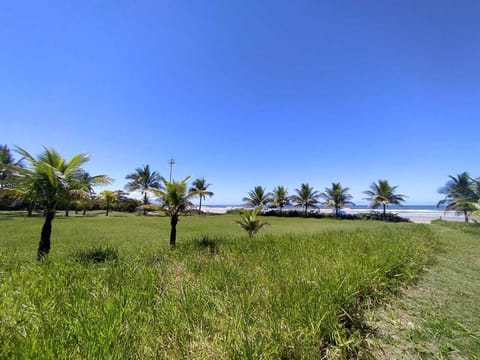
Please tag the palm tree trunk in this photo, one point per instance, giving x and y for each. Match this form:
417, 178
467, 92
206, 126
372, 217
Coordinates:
44, 245
384, 212
108, 208
145, 202
173, 230
67, 210
84, 211
466, 215
336, 212
306, 210
200, 206
30, 209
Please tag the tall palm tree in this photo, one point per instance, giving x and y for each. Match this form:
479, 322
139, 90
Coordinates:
460, 194
47, 179
109, 197
200, 186
257, 197
280, 197
383, 194
306, 197
175, 199
143, 180
337, 197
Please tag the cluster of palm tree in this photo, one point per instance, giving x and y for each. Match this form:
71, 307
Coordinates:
462, 194
49, 179
336, 196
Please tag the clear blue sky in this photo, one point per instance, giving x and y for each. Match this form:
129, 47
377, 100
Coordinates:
249, 93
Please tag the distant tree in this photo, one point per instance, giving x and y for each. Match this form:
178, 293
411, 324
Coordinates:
83, 183
109, 197
279, 198
143, 179
175, 200
200, 186
87, 183
6, 162
250, 222
47, 179
337, 197
257, 197
460, 194
382, 194
7, 178
306, 197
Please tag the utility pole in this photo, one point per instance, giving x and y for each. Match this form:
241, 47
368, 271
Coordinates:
171, 162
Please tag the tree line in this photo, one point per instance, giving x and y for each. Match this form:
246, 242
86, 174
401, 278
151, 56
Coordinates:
380, 194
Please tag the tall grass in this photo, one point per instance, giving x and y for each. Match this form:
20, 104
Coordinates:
276, 296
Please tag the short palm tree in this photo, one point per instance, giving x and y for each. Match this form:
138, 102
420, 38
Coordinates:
383, 194
109, 197
143, 179
257, 197
47, 179
250, 222
460, 194
280, 197
200, 186
306, 197
337, 197
175, 200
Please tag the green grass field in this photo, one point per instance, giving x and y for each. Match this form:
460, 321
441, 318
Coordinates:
300, 289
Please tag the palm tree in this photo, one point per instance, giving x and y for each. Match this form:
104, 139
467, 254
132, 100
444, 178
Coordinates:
88, 183
257, 197
382, 194
280, 197
306, 197
249, 221
460, 194
84, 184
175, 200
337, 197
200, 186
6, 162
143, 180
47, 179
110, 197
7, 178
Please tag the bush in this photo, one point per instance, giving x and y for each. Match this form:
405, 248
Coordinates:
389, 217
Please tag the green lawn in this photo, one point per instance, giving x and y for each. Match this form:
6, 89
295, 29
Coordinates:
299, 290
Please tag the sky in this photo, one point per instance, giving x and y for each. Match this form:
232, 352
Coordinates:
249, 92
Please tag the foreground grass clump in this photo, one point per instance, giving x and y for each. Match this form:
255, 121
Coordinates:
97, 254
276, 296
